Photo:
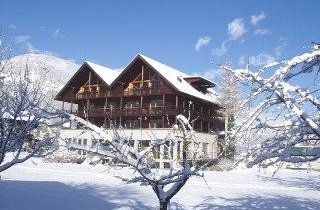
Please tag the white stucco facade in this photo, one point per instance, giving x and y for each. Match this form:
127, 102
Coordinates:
142, 138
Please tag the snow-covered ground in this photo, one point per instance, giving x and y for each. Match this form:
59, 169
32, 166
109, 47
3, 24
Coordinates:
35, 185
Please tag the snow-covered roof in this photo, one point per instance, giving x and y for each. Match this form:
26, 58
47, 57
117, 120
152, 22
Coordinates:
173, 76
200, 77
108, 75
176, 78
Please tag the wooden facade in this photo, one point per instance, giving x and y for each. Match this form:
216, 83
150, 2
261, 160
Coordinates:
140, 97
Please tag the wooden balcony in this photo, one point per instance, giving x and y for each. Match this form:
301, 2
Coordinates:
115, 93
147, 111
80, 96
148, 91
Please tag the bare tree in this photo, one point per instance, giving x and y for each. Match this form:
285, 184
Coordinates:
286, 111
165, 183
27, 127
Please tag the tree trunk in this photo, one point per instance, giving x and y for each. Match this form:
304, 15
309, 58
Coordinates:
164, 205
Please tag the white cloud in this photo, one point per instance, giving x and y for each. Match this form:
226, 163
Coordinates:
21, 39
25, 43
222, 49
242, 60
202, 42
44, 29
54, 33
236, 28
57, 34
12, 26
262, 31
30, 48
278, 50
255, 19
261, 59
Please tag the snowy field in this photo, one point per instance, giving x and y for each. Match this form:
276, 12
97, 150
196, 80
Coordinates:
35, 185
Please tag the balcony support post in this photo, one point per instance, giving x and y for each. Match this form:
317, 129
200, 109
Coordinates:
104, 112
120, 110
163, 110
141, 106
71, 107
177, 103
87, 109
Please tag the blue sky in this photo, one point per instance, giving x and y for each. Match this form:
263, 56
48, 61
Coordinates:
193, 36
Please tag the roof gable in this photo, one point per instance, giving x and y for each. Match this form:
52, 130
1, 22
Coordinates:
176, 78
106, 75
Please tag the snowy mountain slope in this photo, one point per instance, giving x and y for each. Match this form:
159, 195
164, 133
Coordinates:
59, 70
53, 71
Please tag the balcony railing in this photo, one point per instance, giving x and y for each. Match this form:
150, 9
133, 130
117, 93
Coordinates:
147, 111
115, 93
89, 95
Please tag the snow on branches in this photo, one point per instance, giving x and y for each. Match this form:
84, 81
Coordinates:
27, 127
285, 111
165, 183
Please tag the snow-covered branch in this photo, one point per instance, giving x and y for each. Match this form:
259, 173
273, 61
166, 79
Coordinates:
284, 110
165, 183
28, 126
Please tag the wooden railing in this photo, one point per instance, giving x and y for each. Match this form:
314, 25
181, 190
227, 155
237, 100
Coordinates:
115, 93
80, 96
147, 111
148, 91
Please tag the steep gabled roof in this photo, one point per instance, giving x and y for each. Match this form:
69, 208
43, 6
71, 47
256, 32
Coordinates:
107, 75
176, 78
173, 76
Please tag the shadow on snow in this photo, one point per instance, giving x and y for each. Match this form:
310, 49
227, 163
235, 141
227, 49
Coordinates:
39, 195
257, 202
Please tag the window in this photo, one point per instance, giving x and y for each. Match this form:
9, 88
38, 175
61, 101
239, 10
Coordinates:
112, 105
132, 104
131, 123
156, 103
155, 123
85, 141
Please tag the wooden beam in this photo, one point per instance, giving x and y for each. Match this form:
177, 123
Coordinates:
163, 105
177, 101
89, 81
120, 111
142, 75
63, 110
71, 107
87, 109
141, 101
104, 112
